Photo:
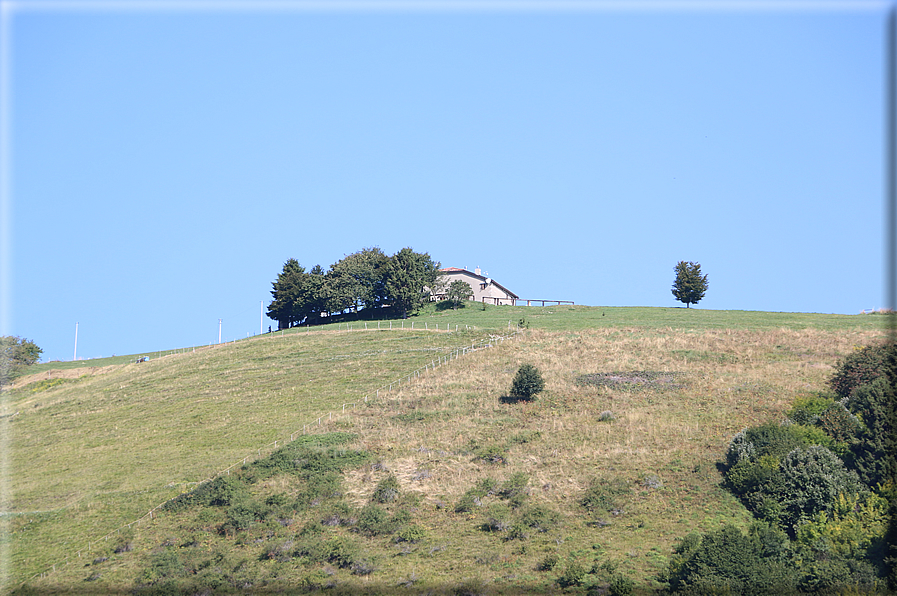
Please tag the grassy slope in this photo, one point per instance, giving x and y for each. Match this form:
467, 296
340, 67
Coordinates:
97, 452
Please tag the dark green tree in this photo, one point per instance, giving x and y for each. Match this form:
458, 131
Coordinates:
458, 291
16, 353
298, 295
357, 280
690, 286
527, 382
409, 276
285, 293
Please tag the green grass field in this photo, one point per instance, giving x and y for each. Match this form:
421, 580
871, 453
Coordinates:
96, 445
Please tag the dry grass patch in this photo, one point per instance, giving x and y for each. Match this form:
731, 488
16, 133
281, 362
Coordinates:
661, 444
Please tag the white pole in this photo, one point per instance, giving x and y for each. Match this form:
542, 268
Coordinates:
219, 331
75, 357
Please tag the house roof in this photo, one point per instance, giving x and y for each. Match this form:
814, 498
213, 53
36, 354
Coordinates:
481, 278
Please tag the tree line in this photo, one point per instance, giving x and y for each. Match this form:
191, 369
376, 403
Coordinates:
364, 280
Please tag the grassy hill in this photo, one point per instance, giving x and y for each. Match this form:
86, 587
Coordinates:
101, 444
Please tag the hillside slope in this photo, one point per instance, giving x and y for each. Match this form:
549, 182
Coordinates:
93, 454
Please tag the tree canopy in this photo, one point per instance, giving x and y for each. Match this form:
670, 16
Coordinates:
15, 354
690, 286
458, 291
366, 279
409, 276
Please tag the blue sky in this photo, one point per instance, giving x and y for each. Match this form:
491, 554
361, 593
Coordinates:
163, 160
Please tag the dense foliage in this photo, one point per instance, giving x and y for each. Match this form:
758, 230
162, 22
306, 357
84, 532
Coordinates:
367, 279
527, 383
821, 485
458, 291
16, 353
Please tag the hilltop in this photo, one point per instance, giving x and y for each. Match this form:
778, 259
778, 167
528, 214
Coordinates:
94, 453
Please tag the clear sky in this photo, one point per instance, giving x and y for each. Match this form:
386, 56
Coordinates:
161, 161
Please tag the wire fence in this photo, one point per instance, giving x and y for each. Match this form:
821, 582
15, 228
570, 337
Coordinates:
309, 428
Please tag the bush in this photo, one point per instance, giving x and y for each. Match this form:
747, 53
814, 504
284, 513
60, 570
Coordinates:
854, 528
766, 439
540, 518
242, 515
812, 480
859, 368
527, 383
620, 585
839, 423
412, 533
806, 409
873, 452
220, 492
727, 562
473, 497
604, 495
387, 490
515, 489
573, 575
548, 563
493, 454
373, 521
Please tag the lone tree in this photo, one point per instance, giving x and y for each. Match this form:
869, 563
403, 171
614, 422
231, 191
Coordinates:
527, 383
690, 286
458, 291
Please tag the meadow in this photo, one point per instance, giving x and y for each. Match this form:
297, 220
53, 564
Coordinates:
97, 445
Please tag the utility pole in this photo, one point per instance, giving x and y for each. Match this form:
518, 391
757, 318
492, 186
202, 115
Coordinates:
75, 357
219, 331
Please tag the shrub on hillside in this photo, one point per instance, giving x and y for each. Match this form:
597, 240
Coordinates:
515, 489
220, 492
573, 575
767, 439
862, 366
387, 490
807, 408
527, 383
729, 562
472, 499
812, 480
604, 496
839, 423
872, 454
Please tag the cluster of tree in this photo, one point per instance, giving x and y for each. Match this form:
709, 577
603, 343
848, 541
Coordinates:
367, 279
821, 487
15, 354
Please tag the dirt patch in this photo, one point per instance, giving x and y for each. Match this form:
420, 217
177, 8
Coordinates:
633, 380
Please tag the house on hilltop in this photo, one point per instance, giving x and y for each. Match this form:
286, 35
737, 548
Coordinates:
485, 289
